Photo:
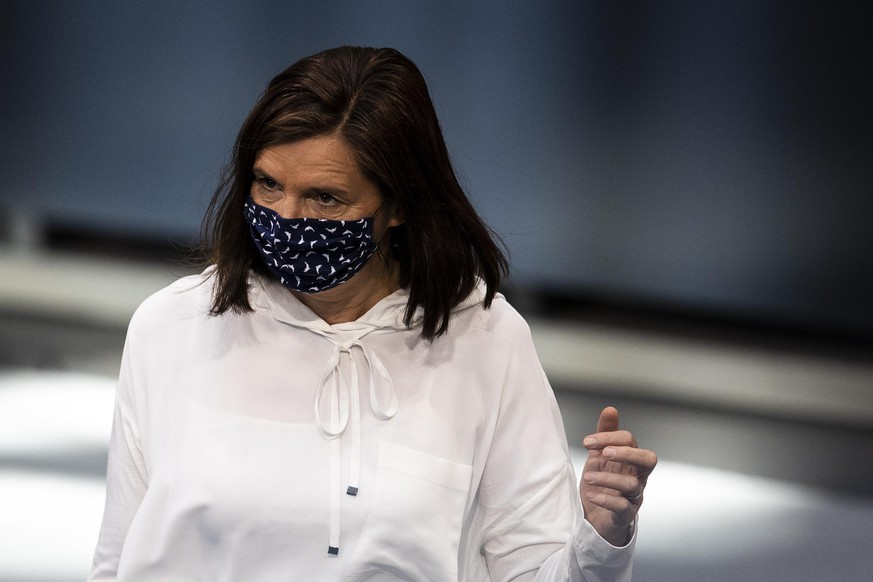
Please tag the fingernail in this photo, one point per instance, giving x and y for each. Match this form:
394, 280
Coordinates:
590, 442
609, 453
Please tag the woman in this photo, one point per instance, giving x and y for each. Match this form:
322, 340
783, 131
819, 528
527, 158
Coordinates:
344, 394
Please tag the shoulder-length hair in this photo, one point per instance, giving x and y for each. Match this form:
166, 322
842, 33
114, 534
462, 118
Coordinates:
377, 100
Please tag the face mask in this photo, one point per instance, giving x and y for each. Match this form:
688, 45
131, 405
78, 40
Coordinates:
310, 254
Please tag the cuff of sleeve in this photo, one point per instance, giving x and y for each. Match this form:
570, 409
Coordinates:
592, 552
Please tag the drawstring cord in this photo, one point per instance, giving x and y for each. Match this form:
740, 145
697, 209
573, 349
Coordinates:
345, 412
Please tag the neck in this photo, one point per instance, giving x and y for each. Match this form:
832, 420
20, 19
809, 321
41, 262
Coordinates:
348, 302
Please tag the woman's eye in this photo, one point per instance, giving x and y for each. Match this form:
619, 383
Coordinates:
325, 199
268, 183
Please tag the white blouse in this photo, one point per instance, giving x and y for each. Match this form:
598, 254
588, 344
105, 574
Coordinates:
272, 446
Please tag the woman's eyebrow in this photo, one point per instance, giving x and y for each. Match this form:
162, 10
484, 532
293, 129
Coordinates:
324, 182
258, 169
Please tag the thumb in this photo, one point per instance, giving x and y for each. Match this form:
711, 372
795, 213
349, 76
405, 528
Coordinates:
608, 420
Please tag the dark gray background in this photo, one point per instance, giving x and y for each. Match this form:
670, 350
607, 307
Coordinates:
711, 157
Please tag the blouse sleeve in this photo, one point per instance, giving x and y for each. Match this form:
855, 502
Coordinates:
126, 482
532, 522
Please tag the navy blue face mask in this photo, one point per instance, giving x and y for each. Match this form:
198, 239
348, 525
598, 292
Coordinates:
310, 254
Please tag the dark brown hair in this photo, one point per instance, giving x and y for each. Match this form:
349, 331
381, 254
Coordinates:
377, 100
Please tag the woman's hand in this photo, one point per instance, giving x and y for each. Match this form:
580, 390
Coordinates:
614, 478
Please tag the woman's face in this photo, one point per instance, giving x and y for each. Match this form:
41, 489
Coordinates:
318, 177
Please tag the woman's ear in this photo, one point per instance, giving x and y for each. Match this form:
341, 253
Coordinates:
395, 214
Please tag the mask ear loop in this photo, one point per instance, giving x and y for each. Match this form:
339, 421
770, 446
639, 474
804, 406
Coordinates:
382, 256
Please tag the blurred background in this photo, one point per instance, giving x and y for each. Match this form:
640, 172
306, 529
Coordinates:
684, 189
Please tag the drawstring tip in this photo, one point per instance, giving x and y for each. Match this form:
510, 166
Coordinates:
352, 490
333, 550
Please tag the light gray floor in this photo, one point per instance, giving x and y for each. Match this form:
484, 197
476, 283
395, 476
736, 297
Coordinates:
762, 484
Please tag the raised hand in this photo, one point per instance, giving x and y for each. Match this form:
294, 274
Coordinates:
614, 478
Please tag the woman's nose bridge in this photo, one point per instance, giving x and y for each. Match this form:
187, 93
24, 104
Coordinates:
290, 206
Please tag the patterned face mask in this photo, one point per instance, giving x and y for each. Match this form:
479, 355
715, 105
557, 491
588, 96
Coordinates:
310, 254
